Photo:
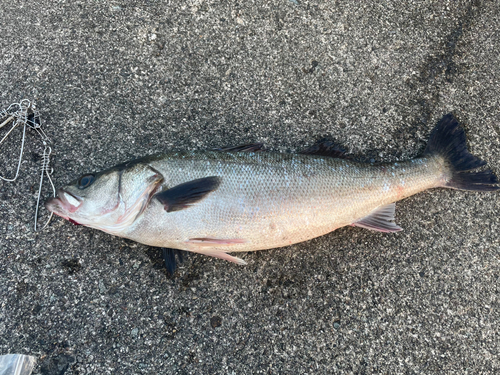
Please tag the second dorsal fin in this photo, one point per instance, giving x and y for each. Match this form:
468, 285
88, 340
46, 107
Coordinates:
325, 148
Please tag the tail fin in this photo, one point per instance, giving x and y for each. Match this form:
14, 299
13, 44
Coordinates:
448, 140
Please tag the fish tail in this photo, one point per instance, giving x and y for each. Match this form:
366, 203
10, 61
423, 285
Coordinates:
448, 141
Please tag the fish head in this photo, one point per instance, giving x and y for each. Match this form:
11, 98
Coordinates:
91, 199
110, 200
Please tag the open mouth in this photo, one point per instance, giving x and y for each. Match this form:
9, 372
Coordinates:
63, 202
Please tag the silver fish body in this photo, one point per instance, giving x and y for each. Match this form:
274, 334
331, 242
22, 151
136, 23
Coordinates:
218, 202
268, 200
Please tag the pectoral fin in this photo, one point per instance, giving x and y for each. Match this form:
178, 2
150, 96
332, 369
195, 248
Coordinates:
381, 220
184, 195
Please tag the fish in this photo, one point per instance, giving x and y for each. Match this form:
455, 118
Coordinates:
240, 199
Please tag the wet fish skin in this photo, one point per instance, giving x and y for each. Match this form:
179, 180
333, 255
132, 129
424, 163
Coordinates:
261, 200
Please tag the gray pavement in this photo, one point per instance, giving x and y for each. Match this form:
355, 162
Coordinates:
119, 79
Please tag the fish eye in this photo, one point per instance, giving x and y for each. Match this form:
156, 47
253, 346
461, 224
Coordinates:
85, 181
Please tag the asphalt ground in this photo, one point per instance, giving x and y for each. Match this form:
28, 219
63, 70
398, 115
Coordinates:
115, 80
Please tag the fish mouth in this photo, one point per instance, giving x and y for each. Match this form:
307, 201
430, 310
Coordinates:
63, 203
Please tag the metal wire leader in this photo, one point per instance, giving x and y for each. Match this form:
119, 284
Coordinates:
24, 114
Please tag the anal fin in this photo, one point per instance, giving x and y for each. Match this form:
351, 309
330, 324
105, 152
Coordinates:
380, 220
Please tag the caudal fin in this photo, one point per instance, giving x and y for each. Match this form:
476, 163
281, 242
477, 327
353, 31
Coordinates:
448, 140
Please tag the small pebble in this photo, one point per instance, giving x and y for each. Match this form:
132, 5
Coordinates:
215, 321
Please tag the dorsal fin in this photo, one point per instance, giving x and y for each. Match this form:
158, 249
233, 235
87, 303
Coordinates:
251, 147
325, 148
